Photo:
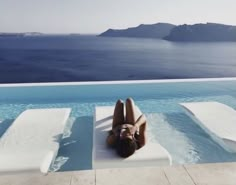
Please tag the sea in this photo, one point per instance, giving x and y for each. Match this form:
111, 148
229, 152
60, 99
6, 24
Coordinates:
63, 58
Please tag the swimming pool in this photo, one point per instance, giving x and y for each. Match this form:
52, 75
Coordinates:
158, 99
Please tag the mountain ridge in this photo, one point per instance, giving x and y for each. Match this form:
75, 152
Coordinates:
181, 33
202, 32
158, 30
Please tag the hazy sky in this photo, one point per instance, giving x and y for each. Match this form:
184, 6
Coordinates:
95, 16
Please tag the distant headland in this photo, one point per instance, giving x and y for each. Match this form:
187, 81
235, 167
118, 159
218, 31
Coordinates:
182, 33
34, 34
3, 34
158, 30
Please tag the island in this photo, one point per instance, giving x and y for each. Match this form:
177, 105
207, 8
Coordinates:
158, 30
74, 34
26, 34
202, 32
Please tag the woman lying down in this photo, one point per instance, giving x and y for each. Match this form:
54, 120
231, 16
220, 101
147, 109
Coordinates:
127, 134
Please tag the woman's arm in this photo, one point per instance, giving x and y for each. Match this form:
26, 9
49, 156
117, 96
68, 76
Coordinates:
140, 121
112, 136
111, 139
141, 125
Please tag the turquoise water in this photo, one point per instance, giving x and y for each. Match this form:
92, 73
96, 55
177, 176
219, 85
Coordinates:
168, 124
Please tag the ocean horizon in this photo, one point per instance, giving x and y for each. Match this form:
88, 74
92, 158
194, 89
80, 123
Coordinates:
64, 58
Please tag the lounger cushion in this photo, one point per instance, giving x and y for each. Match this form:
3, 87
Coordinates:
217, 119
32, 141
152, 154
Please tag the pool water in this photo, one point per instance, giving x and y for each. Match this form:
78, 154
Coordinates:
167, 122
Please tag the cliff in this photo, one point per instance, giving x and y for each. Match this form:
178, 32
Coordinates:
202, 32
158, 30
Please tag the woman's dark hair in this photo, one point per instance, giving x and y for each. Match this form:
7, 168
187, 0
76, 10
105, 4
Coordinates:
126, 147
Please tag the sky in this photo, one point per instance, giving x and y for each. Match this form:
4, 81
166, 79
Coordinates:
96, 16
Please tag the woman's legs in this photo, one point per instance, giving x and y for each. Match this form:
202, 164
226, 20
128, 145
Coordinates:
118, 116
130, 111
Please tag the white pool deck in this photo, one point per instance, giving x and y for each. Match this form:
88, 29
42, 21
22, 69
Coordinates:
199, 174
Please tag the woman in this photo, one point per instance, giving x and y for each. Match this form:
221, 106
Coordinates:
127, 134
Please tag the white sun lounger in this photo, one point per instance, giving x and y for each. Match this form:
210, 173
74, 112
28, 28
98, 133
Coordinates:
31, 143
152, 154
217, 119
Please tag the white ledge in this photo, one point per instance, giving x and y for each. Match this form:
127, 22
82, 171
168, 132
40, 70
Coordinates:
118, 82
